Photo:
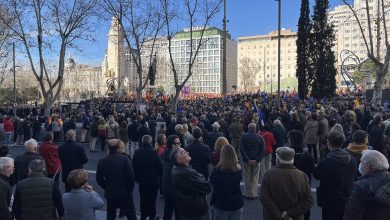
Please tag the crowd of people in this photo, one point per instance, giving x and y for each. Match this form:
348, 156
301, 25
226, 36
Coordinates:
201, 146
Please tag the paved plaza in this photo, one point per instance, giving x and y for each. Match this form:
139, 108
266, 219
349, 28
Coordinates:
252, 208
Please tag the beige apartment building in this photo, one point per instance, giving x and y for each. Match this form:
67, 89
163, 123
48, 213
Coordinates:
349, 40
258, 61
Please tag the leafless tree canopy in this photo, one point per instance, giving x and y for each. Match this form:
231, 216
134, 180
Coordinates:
249, 68
5, 46
45, 29
141, 21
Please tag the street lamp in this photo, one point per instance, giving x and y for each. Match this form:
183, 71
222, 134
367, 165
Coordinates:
14, 72
279, 27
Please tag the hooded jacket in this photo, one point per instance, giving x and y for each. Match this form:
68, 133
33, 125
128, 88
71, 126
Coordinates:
336, 174
370, 198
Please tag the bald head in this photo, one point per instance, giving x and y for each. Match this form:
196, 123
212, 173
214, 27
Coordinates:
71, 135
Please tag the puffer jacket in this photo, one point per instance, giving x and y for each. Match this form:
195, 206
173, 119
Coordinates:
370, 198
190, 188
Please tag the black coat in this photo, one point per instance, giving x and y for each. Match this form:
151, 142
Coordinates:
200, 157
336, 174
115, 175
5, 198
227, 193
167, 172
252, 147
212, 137
72, 157
190, 189
370, 198
280, 136
21, 165
305, 163
147, 165
132, 131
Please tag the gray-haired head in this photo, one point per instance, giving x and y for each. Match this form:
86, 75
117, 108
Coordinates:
71, 135
37, 166
373, 160
31, 145
277, 122
252, 127
4, 163
147, 140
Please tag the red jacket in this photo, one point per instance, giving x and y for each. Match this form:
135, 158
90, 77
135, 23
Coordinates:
269, 141
8, 126
49, 152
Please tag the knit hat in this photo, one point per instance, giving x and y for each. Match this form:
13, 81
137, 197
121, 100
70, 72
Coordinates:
285, 155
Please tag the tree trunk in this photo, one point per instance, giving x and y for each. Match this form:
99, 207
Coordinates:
378, 86
175, 100
47, 106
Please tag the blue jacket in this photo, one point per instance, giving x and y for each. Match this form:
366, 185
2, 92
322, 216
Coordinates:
227, 193
81, 205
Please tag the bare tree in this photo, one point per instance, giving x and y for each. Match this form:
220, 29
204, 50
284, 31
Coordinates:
374, 45
5, 46
45, 29
140, 21
249, 70
194, 13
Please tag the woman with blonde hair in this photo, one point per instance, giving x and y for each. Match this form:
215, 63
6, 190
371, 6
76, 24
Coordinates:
226, 198
215, 155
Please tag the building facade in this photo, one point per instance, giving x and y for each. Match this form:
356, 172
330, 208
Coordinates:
81, 82
258, 61
349, 41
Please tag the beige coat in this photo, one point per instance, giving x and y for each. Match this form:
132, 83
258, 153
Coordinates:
285, 188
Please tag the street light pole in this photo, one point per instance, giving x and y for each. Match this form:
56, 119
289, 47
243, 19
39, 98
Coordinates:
14, 72
224, 80
279, 27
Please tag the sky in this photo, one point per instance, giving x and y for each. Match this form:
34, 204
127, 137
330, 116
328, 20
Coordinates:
246, 18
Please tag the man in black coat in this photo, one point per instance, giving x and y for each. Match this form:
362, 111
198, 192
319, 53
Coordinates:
190, 187
252, 149
200, 154
213, 135
115, 175
72, 157
22, 161
147, 171
336, 174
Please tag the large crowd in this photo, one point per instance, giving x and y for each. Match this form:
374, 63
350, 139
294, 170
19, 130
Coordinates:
201, 146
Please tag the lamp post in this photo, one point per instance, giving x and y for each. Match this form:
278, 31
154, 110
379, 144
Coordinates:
279, 27
224, 80
14, 72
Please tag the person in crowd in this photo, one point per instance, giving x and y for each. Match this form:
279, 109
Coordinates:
252, 151
102, 133
269, 142
124, 135
81, 202
376, 131
225, 179
187, 137
279, 133
170, 205
6, 170
323, 128
115, 175
336, 173
142, 130
161, 130
370, 198
353, 126
190, 187
22, 161
285, 192
93, 134
4, 151
72, 157
215, 155
161, 144
49, 153
85, 128
27, 127
213, 135
303, 161
179, 132
37, 197
8, 129
235, 131
112, 128
358, 145
36, 128
200, 154
147, 172
56, 127
20, 131
132, 132
311, 135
